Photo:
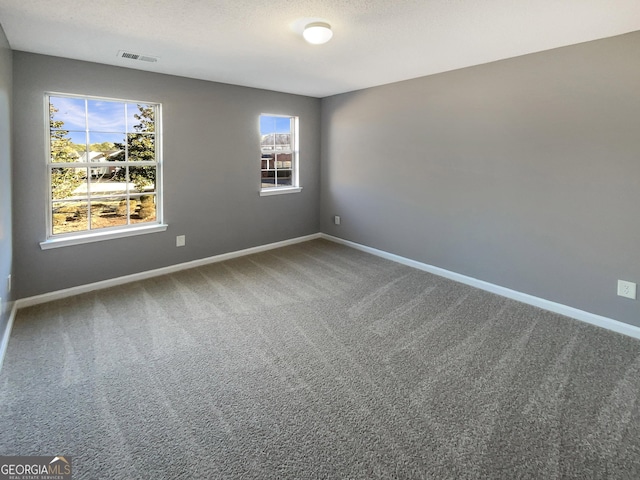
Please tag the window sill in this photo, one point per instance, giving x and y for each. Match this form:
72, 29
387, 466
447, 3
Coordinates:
279, 191
97, 237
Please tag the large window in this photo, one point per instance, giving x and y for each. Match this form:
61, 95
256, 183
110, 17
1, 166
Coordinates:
279, 154
104, 165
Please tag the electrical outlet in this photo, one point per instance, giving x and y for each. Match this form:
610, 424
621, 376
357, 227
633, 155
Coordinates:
181, 241
336, 219
627, 289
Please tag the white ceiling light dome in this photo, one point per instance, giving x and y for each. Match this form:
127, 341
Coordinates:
317, 33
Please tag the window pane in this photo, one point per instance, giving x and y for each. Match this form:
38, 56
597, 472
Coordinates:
275, 141
145, 209
284, 178
275, 133
140, 117
108, 212
108, 180
67, 114
79, 144
268, 178
274, 124
142, 179
283, 125
107, 147
267, 124
67, 183
141, 147
267, 161
105, 116
69, 217
283, 170
283, 160
67, 146
267, 128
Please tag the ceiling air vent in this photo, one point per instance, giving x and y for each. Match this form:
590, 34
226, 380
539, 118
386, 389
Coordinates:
137, 56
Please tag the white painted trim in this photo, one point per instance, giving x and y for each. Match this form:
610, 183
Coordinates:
59, 294
581, 315
267, 192
592, 318
4, 342
57, 242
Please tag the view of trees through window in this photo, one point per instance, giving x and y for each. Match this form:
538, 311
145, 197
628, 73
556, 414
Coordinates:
103, 164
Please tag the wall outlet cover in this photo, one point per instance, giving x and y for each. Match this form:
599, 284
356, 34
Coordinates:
627, 289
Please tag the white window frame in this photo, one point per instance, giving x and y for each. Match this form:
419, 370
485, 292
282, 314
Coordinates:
295, 158
131, 229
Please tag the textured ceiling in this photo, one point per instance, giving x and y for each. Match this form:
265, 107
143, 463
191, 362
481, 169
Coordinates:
257, 43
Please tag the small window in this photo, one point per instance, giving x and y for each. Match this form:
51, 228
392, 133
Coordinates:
103, 164
279, 154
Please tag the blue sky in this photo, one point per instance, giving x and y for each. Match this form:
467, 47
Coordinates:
107, 120
269, 124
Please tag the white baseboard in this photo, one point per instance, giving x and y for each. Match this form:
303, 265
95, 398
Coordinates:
600, 321
592, 318
4, 342
69, 292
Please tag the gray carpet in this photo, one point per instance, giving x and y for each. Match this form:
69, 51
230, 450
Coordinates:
317, 361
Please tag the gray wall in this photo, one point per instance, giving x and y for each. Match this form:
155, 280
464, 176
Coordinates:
211, 172
524, 173
5, 177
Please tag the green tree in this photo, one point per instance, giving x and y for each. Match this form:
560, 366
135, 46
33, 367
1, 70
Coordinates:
63, 180
140, 147
102, 147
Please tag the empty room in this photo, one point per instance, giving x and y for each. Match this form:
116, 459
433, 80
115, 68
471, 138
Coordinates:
320, 239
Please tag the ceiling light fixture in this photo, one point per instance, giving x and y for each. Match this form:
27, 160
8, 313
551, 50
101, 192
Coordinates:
317, 33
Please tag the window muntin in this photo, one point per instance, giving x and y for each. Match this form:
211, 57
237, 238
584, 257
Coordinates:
103, 165
279, 152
